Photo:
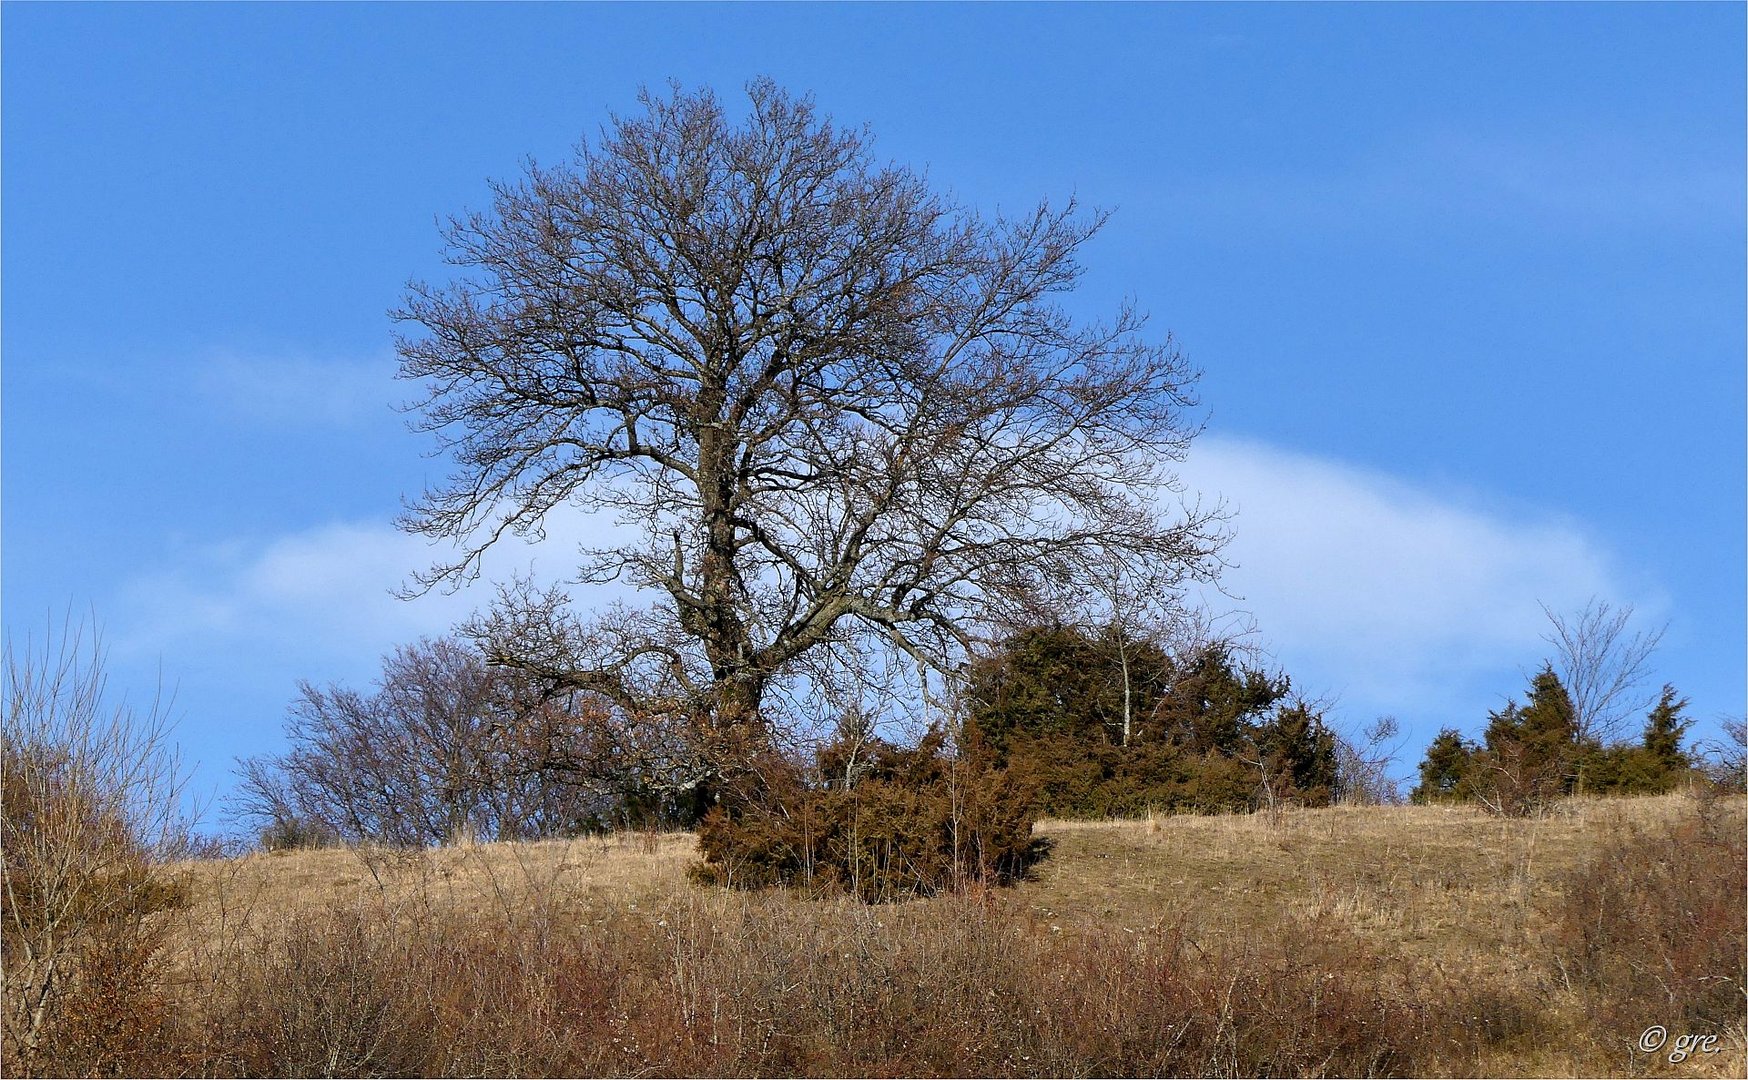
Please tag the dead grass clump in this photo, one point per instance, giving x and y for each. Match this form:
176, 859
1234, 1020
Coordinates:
1312, 999
379, 991
318, 1004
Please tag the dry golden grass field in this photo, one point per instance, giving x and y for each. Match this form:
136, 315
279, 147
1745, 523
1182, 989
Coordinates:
1400, 940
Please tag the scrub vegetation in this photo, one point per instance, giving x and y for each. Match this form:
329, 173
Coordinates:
1384, 940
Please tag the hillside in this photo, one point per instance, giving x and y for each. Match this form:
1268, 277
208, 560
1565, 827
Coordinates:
1394, 940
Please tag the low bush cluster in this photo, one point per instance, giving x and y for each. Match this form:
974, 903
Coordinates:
1534, 754
875, 819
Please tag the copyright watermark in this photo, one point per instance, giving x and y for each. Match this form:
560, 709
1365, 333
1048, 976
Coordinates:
1654, 1038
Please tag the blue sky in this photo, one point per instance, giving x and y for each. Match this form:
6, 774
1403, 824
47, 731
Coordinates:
1467, 284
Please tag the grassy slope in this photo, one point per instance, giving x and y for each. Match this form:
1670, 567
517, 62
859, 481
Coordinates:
1452, 888
1446, 883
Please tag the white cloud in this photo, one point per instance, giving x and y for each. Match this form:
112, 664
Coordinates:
231, 626
1393, 598
299, 390
326, 594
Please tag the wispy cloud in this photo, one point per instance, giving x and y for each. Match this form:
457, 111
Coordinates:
298, 390
231, 625
1393, 597
1607, 183
327, 593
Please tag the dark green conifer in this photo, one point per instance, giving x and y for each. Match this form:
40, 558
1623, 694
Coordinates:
1444, 773
1664, 728
1299, 748
1532, 752
1214, 703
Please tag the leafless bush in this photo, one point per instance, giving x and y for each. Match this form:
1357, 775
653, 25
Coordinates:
717, 986
91, 792
1726, 759
1363, 764
1656, 926
1603, 667
445, 748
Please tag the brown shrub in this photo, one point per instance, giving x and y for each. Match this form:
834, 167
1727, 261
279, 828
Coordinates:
116, 1015
294, 833
88, 813
1655, 926
893, 822
725, 985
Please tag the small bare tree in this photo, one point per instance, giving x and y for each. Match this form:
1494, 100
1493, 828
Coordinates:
1137, 611
1363, 764
1726, 759
834, 407
1604, 668
91, 797
445, 748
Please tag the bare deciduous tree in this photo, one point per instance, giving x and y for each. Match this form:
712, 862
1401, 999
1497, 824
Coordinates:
1603, 667
835, 406
1726, 759
1363, 764
444, 749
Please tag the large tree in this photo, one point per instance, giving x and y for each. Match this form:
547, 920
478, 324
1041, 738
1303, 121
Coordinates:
836, 409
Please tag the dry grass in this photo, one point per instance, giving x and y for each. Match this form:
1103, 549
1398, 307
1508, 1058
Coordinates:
1425, 880
1452, 884
1450, 889
1346, 940
616, 870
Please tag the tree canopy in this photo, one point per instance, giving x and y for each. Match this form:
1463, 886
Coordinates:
838, 411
